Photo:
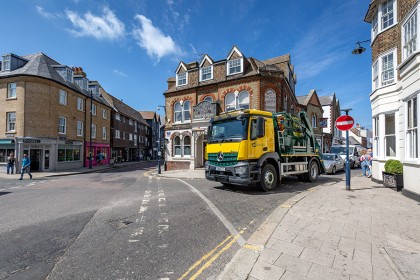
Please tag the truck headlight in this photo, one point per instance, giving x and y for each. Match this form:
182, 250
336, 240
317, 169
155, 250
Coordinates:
206, 166
241, 170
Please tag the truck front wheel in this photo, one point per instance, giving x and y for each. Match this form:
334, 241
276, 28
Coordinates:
268, 178
313, 172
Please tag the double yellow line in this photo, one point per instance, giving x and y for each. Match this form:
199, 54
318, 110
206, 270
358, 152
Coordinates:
212, 256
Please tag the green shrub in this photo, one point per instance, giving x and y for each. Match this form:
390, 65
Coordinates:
394, 166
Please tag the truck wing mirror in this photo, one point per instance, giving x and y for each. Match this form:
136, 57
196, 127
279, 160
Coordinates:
260, 127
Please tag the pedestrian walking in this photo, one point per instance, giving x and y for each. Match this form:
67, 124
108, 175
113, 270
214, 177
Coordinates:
365, 160
26, 162
10, 163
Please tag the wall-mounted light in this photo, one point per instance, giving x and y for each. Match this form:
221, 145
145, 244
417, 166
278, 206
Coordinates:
359, 49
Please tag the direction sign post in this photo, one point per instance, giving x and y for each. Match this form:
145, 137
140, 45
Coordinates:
346, 122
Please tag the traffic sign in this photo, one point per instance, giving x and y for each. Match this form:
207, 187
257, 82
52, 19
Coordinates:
344, 122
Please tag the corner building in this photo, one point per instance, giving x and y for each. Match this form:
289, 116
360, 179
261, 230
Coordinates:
203, 89
395, 88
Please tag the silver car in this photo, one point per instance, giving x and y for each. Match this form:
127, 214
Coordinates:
333, 163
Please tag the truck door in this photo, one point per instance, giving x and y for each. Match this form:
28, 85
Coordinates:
256, 144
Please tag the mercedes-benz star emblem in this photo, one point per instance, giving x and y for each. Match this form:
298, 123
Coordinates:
220, 156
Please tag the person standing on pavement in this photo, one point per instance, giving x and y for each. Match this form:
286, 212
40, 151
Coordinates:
26, 162
365, 160
10, 163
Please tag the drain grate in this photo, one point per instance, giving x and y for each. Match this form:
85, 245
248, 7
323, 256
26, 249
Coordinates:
4, 193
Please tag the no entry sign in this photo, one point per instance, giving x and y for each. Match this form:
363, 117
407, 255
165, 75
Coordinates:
344, 122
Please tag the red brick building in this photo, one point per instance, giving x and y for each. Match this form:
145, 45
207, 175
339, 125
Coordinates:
202, 89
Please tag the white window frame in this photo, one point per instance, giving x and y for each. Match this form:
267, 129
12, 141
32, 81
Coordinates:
206, 73
387, 69
176, 146
178, 112
130, 121
389, 135
62, 97
185, 146
186, 112
62, 125
94, 109
11, 90
237, 104
314, 121
409, 37
117, 134
236, 65
79, 128
130, 137
11, 121
104, 113
80, 104
182, 80
135, 139
375, 75
389, 15
412, 128
104, 132
379, 62
376, 142
93, 130
117, 116
377, 21
5, 66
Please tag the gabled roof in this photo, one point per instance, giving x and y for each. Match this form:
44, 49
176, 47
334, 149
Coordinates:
148, 115
126, 110
183, 65
234, 50
206, 58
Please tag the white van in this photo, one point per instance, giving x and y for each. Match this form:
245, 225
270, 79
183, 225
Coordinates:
354, 153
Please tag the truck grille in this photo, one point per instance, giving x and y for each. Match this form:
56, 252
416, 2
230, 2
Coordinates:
229, 159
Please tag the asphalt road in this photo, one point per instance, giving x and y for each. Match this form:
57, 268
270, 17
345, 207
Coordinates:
125, 225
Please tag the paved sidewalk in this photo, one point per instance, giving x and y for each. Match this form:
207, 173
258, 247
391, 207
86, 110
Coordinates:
327, 232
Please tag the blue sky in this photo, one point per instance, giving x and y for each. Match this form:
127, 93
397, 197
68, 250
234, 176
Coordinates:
133, 46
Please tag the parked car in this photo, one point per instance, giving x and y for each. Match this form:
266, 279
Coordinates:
333, 163
354, 153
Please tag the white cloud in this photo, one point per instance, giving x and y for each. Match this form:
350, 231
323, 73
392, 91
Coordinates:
107, 26
45, 14
153, 40
120, 73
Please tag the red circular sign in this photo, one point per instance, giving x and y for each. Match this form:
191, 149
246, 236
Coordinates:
344, 122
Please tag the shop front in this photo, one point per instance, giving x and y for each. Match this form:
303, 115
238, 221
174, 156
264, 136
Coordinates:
49, 154
100, 154
7, 146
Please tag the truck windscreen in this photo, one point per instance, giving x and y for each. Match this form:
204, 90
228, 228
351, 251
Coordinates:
231, 130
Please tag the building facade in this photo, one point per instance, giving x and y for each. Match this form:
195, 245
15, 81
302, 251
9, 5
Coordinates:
331, 134
204, 88
45, 113
128, 130
395, 88
152, 120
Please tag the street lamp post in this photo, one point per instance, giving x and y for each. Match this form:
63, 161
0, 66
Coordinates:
90, 131
159, 141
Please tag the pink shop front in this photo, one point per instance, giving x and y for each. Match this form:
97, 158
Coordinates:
97, 149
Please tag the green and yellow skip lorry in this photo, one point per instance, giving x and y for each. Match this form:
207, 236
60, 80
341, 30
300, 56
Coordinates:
248, 147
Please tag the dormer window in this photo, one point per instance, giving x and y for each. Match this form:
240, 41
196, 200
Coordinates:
234, 66
81, 82
181, 79
94, 89
206, 73
5, 66
65, 72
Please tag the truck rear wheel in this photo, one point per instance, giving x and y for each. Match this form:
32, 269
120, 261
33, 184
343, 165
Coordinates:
268, 178
313, 172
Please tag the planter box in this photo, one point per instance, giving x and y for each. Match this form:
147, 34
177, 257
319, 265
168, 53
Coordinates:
393, 180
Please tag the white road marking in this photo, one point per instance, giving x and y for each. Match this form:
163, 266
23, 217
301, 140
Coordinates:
241, 241
143, 209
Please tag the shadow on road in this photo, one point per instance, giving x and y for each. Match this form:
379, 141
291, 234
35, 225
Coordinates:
288, 184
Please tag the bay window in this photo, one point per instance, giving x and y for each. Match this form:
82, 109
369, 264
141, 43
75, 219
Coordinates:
384, 18
383, 70
409, 34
